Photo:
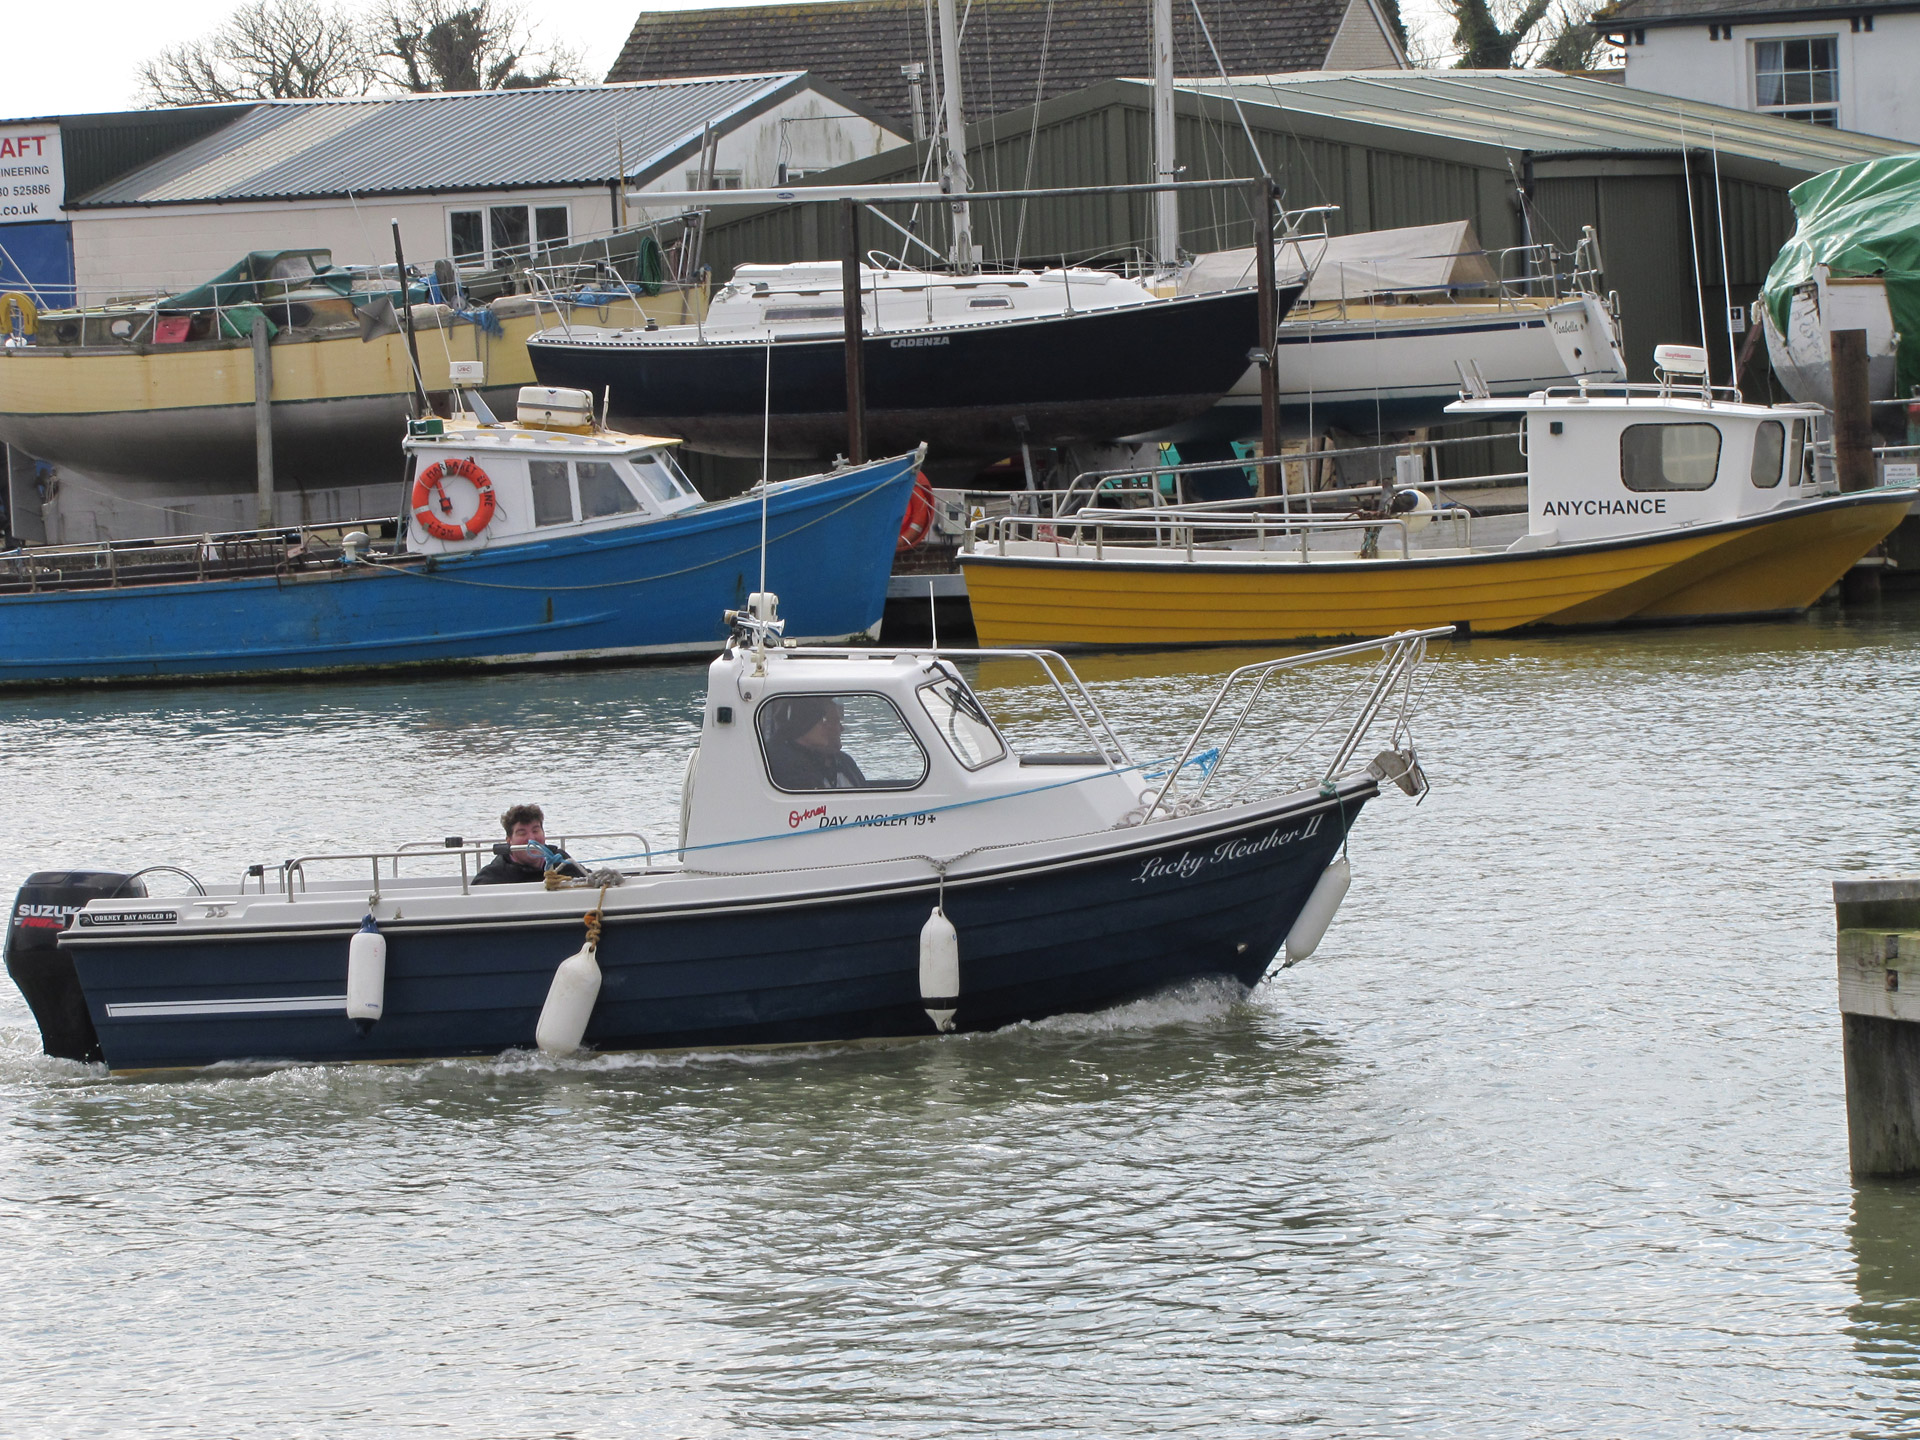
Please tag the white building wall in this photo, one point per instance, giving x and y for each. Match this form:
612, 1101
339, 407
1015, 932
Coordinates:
1878, 95
143, 249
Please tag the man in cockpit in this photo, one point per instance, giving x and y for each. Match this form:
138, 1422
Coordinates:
524, 858
803, 746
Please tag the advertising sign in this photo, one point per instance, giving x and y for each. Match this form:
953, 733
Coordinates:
32, 183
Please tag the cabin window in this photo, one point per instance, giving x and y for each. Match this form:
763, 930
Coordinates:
957, 715
602, 491
552, 492
654, 476
1669, 457
838, 742
990, 302
1769, 449
776, 313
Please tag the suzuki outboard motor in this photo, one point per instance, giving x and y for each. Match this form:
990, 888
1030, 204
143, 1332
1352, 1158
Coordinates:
41, 969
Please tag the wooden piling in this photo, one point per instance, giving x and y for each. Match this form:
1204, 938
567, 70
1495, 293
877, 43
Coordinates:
1852, 414
1878, 925
262, 422
853, 332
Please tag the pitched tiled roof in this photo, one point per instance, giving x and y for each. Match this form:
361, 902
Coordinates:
860, 45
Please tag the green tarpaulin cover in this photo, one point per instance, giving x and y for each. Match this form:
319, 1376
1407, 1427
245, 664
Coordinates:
1859, 220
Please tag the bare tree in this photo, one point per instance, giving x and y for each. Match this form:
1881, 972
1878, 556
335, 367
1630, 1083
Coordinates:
266, 50
423, 45
1509, 34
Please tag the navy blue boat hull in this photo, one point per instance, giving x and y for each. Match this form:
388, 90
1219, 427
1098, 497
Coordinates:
1035, 941
657, 588
980, 390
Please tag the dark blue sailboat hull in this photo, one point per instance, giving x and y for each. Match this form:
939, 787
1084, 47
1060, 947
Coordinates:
975, 390
1133, 913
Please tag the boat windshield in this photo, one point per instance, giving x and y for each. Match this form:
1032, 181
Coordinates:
957, 715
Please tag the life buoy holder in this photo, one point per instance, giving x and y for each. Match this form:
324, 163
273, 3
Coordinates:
919, 517
15, 306
428, 488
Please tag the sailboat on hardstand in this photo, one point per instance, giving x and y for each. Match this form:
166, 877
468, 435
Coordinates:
972, 362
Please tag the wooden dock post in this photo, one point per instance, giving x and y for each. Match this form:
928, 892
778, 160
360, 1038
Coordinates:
262, 423
1878, 924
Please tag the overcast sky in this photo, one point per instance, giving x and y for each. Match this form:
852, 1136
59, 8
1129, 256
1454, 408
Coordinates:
115, 36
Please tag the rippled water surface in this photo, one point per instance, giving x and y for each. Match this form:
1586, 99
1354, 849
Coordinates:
1548, 1139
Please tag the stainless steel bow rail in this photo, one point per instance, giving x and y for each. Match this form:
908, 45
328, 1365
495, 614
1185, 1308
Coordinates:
1400, 657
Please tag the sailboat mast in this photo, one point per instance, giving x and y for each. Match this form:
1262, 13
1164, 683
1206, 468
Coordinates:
1166, 204
954, 134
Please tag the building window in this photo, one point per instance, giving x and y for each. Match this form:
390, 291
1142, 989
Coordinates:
1798, 79
722, 180
502, 236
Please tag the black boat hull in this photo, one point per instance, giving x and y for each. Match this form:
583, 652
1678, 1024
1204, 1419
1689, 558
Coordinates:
1133, 914
977, 390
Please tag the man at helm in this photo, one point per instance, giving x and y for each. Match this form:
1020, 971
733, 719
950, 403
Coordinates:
525, 856
803, 745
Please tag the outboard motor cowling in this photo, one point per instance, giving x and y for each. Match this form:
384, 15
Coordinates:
42, 970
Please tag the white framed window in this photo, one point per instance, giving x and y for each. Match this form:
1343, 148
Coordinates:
722, 180
1798, 79
497, 237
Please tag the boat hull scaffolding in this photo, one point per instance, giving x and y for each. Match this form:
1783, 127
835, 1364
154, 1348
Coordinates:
979, 390
1066, 594
689, 962
651, 589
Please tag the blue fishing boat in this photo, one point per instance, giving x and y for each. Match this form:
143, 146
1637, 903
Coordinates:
548, 539
863, 854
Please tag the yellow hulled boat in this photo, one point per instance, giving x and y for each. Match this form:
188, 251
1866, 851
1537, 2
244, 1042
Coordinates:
1645, 504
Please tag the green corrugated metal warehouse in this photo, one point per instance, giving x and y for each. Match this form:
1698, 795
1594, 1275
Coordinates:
1389, 148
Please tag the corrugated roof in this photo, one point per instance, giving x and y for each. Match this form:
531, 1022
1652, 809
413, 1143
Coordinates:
1012, 52
412, 144
1545, 111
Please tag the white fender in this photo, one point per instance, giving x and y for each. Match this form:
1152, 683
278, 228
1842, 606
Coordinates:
563, 1019
366, 975
1314, 917
939, 969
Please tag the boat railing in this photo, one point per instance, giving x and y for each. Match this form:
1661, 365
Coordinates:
212, 556
1389, 683
1429, 451
290, 876
1197, 533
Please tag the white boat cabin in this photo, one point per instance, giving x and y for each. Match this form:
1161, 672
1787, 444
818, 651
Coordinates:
1610, 461
815, 757
806, 300
477, 481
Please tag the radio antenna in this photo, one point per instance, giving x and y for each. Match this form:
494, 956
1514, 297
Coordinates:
766, 453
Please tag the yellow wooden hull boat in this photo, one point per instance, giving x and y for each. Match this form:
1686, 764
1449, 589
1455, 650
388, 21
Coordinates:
1770, 564
1645, 503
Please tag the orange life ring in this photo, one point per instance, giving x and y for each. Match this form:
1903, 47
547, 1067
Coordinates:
427, 486
919, 517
